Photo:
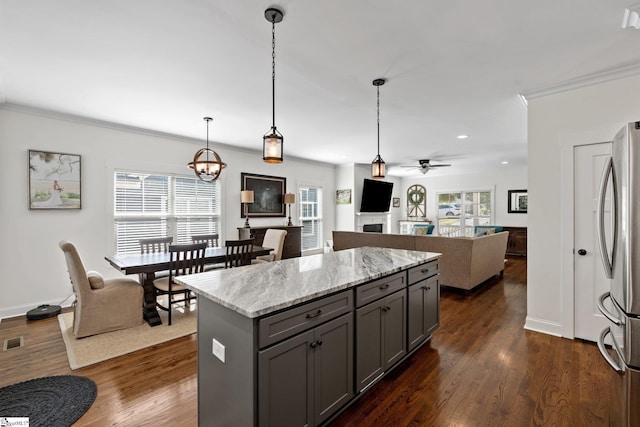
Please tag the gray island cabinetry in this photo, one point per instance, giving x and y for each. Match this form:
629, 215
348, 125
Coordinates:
293, 342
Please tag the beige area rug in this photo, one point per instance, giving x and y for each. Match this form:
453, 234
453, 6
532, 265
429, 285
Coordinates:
97, 348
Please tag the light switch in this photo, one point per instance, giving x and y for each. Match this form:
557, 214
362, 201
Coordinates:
218, 350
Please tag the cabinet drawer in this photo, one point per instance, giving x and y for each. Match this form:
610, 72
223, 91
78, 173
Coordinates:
423, 271
290, 322
379, 288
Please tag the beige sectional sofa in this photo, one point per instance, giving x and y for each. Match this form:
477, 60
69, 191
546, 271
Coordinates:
466, 261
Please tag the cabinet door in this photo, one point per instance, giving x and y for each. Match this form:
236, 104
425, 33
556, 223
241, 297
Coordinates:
333, 366
432, 305
369, 356
286, 383
395, 327
423, 304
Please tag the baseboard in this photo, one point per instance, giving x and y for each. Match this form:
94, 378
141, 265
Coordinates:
544, 326
7, 313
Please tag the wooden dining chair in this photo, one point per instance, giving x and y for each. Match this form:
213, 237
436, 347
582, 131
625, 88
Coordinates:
183, 260
155, 245
210, 239
238, 253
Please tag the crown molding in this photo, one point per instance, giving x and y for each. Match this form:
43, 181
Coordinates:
42, 112
583, 81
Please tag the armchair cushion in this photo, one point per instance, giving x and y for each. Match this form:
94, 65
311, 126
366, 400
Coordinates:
96, 281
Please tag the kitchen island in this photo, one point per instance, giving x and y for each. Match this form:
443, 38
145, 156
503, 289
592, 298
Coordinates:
293, 342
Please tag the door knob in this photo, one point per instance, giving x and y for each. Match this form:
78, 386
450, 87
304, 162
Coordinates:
582, 252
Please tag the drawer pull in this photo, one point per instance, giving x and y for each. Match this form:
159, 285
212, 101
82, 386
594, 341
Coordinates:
424, 270
316, 314
426, 288
384, 287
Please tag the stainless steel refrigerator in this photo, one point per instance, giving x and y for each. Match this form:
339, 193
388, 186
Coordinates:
620, 249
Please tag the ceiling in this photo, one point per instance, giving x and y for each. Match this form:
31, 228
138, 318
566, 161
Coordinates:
452, 67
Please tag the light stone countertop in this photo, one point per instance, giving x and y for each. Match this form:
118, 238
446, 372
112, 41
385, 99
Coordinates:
260, 289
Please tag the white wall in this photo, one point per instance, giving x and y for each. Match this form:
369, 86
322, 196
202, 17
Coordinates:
345, 213
597, 112
33, 267
504, 178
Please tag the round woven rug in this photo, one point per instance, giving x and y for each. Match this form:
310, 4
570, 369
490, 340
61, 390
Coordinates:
49, 401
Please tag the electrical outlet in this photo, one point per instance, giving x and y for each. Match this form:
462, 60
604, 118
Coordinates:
218, 350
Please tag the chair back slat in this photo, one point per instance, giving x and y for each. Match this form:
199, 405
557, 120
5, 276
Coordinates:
155, 245
186, 259
210, 239
238, 253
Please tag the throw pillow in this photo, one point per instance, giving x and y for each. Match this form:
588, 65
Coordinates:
481, 233
96, 281
490, 230
420, 231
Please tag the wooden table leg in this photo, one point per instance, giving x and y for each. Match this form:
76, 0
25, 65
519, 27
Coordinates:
149, 311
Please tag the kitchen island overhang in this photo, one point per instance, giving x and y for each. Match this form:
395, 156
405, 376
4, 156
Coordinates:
247, 314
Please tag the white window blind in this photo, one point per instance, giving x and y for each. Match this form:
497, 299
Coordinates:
153, 205
310, 210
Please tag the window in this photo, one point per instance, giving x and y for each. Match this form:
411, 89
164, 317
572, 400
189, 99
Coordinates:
148, 205
459, 212
310, 210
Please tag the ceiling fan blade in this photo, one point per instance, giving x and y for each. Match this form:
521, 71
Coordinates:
438, 166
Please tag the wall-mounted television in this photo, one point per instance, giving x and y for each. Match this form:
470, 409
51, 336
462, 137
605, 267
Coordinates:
376, 196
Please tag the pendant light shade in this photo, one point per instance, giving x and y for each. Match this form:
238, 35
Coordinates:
272, 140
207, 164
378, 166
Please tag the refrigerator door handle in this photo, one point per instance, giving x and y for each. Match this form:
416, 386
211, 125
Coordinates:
612, 318
609, 170
606, 331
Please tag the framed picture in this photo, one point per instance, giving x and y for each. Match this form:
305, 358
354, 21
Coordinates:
396, 202
54, 180
343, 197
268, 195
518, 202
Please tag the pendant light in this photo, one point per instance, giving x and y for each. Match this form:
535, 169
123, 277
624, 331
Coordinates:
377, 166
272, 140
206, 164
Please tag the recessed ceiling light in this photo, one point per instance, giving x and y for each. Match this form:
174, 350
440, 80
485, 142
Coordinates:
462, 136
504, 162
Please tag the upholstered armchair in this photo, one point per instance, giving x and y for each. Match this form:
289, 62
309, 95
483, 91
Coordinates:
101, 305
274, 239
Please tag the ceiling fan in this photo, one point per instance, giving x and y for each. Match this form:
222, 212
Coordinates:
425, 166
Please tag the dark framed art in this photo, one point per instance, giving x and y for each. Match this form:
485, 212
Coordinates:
518, 201
396, 202
268, 195
54, 180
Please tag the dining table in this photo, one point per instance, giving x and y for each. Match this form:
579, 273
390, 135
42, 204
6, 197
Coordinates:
148, 264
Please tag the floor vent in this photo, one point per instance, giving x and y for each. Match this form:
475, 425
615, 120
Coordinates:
13, 343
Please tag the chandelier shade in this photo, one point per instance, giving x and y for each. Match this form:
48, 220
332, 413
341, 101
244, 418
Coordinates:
206, 163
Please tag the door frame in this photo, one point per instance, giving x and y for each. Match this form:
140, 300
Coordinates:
568, 143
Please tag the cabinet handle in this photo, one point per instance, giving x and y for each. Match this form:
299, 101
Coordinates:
386, 308
316, 314
424, 270
426, 288
319, 342
313, 344
385, 286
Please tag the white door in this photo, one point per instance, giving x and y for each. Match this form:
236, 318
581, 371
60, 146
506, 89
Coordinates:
590, 280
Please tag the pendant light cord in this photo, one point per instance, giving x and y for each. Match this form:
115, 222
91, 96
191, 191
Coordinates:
273, 70
378, 90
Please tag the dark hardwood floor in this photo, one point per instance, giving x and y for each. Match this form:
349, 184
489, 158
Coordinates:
480, 369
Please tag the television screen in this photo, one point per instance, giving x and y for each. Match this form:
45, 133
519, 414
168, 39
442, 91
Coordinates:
376, 196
